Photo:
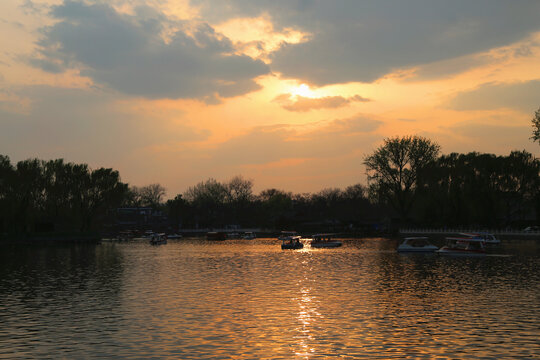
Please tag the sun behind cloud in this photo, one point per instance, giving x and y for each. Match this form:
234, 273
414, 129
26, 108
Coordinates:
302, 90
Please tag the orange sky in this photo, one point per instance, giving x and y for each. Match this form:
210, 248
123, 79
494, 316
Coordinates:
290, 94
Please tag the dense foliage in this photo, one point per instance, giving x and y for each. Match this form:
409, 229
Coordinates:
38, 196
480, 189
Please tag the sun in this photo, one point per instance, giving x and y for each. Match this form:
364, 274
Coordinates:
301, 90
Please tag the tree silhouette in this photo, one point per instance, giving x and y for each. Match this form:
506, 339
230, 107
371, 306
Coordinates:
393, 169
536, 126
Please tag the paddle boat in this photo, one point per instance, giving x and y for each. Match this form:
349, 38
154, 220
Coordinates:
416, 244
324, 241
488, 238
292, 243
158, 239
463, 246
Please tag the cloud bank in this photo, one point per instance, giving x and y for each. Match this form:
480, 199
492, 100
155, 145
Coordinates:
131, 54
361, 41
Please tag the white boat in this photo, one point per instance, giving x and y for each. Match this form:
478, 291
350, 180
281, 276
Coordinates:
324, 241
416, 244
174, 236
158, 239
488, 238
463, 246
292, 243
287, 235
248, 235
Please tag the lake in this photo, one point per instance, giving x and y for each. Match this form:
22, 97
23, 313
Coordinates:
248, 299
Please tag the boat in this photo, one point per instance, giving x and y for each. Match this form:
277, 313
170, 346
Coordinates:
248, 235
287, 235
463, 246
292, 243
158, 239
488, 238
234, 235
324, 241
416, 244
216, 235
174, 236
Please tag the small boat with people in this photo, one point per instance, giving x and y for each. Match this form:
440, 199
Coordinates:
158, 239
463, 246
324, 241
416, 244
488, 238
287, 235
293, 243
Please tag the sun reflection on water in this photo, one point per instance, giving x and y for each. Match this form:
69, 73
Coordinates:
307, 314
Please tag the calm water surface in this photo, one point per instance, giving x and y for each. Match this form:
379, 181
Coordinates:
248, 299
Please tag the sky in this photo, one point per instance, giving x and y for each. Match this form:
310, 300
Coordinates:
291, 94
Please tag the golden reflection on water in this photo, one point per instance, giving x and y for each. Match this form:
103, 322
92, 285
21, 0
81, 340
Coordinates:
307, 315
250, 300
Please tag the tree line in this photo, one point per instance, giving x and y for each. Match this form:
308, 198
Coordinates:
38, 195
212, 204
471, 189
408, 184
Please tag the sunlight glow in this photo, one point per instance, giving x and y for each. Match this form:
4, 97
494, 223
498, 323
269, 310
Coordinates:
302, 90
257, 37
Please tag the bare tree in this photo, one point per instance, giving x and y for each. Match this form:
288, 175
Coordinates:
240, 190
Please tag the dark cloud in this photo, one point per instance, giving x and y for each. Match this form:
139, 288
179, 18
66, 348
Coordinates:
129, 53
364, 40
301, 103
523, 96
